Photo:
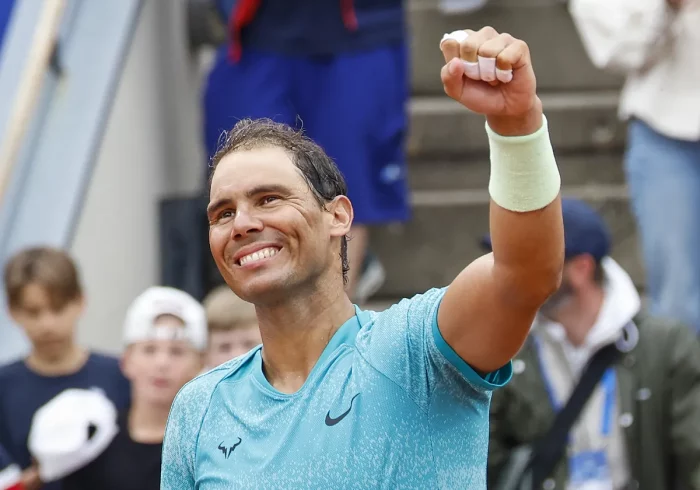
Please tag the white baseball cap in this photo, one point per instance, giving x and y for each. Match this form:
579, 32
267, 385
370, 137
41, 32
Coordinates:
70, 431
160, 300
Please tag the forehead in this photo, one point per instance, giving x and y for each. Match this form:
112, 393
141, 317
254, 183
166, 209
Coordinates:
34, 295
243, 170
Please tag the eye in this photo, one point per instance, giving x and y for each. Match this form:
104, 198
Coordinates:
223, 216
177, 351
149, 348
269, 199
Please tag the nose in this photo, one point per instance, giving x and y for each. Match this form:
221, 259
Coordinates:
162, 360
244, 224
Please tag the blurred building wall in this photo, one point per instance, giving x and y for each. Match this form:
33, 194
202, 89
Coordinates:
151, 149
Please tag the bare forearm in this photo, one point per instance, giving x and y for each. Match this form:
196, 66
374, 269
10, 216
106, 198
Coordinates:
528, 252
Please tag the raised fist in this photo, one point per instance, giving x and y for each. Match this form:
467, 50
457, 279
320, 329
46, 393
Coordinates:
489, 73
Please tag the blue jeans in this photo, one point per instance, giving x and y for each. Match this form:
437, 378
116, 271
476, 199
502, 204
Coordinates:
664, 181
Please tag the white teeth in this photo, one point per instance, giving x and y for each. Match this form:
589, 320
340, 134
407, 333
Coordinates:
260, 254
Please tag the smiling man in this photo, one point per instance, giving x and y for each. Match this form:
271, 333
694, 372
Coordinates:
338, 397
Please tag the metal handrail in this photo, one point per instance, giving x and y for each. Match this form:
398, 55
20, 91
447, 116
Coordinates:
29, 89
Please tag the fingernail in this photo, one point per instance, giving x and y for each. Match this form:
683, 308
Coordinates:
504, 76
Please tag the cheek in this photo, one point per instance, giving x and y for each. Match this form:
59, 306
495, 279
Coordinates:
68, 318
218, 238
138, 366
187, 369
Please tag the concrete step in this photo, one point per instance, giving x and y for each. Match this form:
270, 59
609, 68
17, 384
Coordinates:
443, 237
450, 213
560, 60
577, 121
458, 175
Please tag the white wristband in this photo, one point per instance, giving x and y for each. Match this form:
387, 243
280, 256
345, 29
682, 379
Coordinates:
524, 173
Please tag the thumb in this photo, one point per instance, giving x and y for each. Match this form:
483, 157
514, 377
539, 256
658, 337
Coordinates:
451, 75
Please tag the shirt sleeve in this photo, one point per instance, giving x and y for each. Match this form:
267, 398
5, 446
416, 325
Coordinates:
10, 474
405, 344
178, 470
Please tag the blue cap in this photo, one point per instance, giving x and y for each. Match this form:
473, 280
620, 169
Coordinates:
585, 232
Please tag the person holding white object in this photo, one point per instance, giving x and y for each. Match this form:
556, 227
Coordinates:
338, 397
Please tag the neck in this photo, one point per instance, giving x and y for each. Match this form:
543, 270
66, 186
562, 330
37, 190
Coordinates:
58, 360
147, 422
295, 332
580, 318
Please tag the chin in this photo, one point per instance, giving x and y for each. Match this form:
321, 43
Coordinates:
264, 288
161, 399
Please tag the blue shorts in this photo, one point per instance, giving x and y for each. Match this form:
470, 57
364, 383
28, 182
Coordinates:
353, 105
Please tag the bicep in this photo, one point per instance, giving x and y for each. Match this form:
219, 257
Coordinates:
478, 311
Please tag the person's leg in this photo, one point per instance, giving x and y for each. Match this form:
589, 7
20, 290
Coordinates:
664, 181
355, 108
255, 87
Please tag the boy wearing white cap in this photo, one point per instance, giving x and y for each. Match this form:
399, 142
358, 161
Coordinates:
165, 334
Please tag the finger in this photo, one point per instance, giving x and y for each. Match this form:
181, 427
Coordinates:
449, 45
469, 49
514, 56
487, 54
451, 75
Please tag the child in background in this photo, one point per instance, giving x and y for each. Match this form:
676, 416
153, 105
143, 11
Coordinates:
45, 298
165, 334
232, 324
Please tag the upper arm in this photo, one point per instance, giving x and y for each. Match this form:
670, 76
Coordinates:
405, 344
489, 308
684, 386
178, 468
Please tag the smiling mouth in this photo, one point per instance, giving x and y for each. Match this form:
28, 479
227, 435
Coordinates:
264, 253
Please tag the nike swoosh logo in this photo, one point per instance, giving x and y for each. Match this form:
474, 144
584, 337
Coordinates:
330, 421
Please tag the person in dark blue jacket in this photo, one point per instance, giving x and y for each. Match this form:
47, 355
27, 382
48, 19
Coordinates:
337, 68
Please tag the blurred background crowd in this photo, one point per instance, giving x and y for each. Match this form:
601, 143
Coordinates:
110, 111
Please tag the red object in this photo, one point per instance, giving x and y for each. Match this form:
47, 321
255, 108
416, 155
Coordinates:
17, 486
240, 17
349, 18
244, 13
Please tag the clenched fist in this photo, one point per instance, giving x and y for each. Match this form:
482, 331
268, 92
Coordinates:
491, 74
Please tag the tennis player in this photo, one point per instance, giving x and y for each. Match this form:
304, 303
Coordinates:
338, 397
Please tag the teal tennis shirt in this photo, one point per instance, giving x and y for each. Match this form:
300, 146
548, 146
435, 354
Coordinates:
389, 405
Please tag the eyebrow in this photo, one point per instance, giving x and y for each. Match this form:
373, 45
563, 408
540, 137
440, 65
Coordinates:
255, 191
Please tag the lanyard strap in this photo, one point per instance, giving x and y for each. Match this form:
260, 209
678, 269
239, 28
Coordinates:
608, 382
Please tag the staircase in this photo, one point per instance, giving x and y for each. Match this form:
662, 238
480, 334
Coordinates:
448, 149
